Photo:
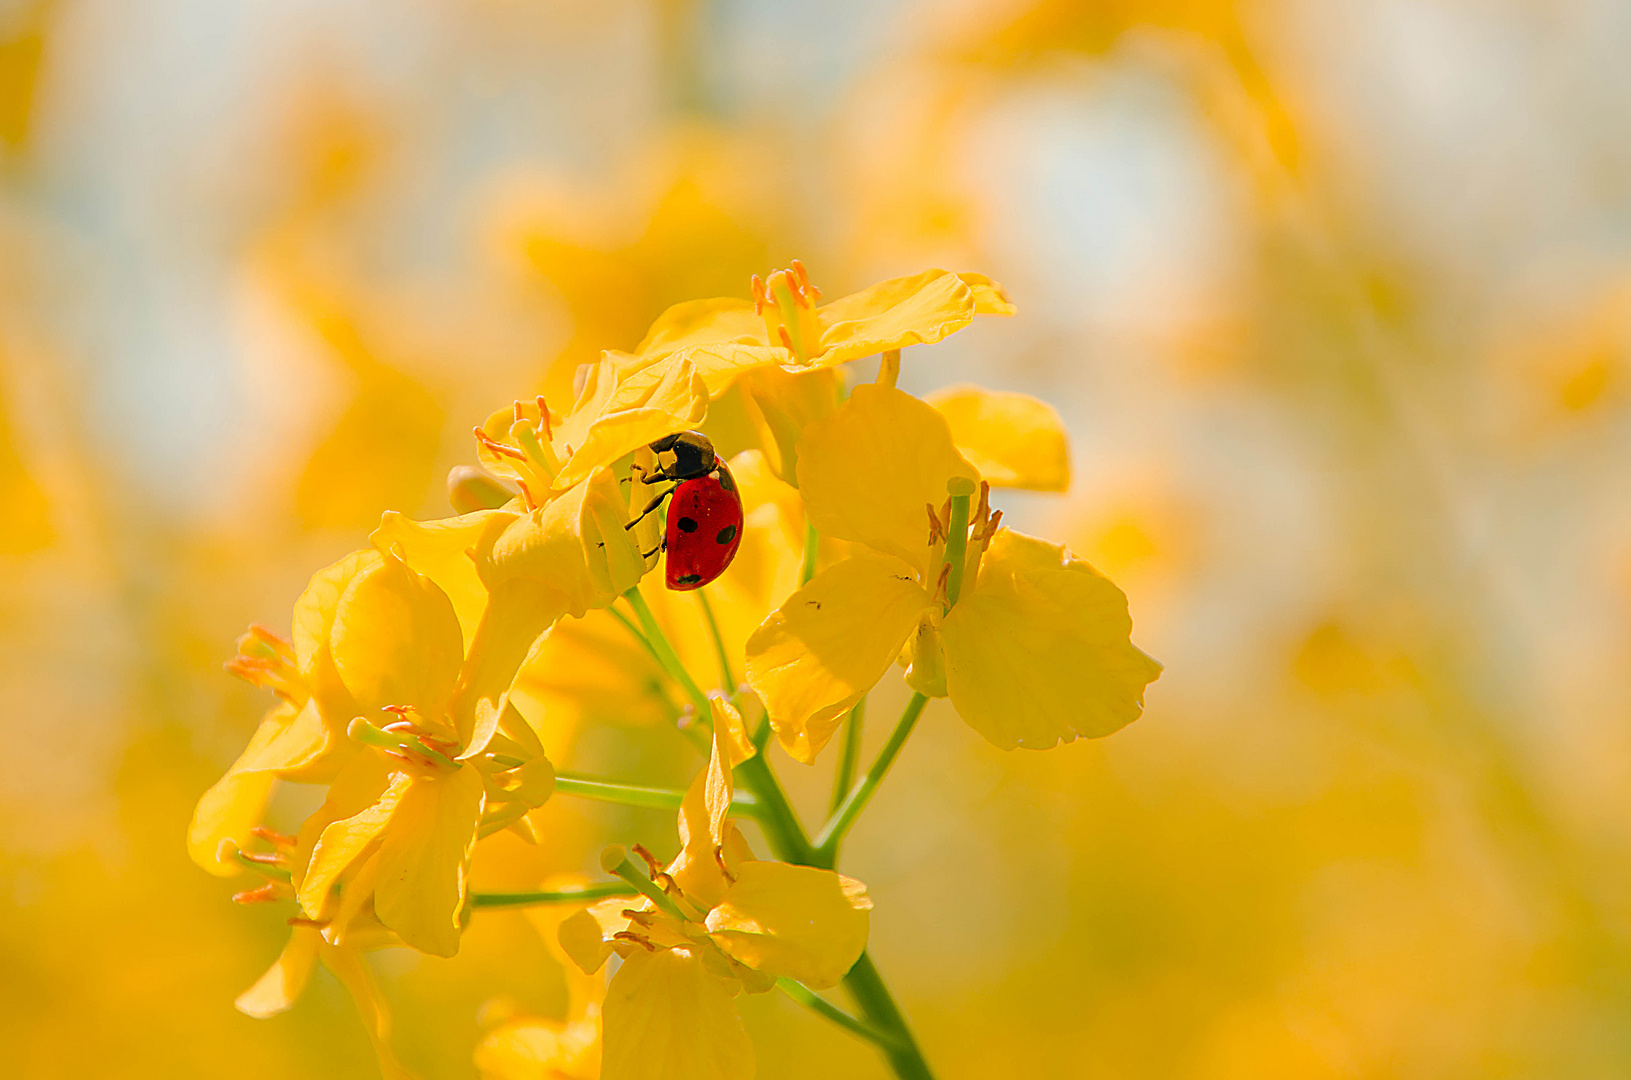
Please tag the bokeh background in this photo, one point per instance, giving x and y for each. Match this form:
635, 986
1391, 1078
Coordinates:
1335, 296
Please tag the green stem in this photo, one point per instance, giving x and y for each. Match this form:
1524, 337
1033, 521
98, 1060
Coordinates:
774, 813
727, 680
961, 488
818, 1004
878, 1010
615, 861
666, 656
744, 804
849, 756
644, 641
826, 844
572, 894
812, 547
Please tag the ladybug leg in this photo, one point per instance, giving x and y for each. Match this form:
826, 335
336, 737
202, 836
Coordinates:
658, 501
661, 544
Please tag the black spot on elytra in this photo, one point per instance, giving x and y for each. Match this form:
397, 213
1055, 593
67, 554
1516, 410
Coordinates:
687, 524
726, 480
727, 534
688, 579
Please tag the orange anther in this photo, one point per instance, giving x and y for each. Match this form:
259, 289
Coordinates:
806, 290
787, 339
653, 867
272, 836
719, 858
519, 411
759, 298
263, 895
526, 495
265, 857
494, 446
638, 939
936, 530
543, 417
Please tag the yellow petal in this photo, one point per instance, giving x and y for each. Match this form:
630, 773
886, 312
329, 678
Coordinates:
519, 611
396, 640
278, 989
829, 643
869, 471
344, 842
720, 365
706, 833
314, 611
424, 859
357, 787
903, 311
440, 551
699, 322
1037, 652
349, 967
768, 409
312, 626
647, 403
793, 922
577, 545
586, 935
234, 805
1013, 439
989, 297
669, 1018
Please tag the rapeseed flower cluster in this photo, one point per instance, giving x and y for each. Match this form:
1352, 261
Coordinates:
869, 541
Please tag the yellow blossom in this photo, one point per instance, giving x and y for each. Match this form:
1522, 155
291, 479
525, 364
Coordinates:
726, 923
1035, 648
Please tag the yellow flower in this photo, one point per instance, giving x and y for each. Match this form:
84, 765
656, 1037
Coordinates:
413, 804
766, 363
339, 944
1035, 649
783, 325
723, 923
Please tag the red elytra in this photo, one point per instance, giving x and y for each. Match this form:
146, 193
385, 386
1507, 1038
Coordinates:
704, 528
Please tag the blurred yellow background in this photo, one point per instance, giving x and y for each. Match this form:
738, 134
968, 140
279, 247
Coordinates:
1335, 296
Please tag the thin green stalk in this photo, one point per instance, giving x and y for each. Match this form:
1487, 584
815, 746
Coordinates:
782, 829
961, 488
818, 1004
744, 804
644, 641
812, 547
571, 894
878, 1010
666, 656
727, 680
615, 861
849, 756
826, 844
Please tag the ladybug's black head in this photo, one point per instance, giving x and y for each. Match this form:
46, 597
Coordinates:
693, 454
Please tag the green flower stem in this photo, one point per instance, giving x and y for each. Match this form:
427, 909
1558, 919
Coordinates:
645, 642
615, 861
879, 1011
818, 1004
775, 816
588, 787
572, 894
727, 680
961, 489
666, 656
812, 547
849, 756
826, 844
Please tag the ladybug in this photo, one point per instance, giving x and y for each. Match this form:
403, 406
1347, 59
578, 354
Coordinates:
705, 514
